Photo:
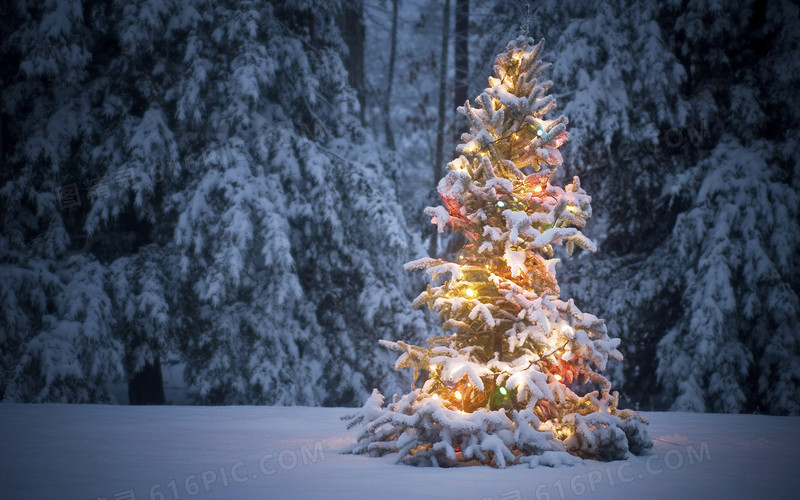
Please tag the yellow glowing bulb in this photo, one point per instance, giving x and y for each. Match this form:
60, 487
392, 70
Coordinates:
432, 367
503, 391
435, 396
558, 377
457, 394
470, 292
572, 209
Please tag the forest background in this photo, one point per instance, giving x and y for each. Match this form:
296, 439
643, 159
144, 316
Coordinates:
231, 188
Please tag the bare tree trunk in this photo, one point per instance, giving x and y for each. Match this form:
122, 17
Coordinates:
392, 56
438, 170
461, 60
351, 23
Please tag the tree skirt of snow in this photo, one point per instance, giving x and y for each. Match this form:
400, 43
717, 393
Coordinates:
244, 452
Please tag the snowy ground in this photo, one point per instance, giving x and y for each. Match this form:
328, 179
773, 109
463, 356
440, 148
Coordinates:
171, 452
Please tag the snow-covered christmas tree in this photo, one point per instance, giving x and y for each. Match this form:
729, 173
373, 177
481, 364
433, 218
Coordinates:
516, 376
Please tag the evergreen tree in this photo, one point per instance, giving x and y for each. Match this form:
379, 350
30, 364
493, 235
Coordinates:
56, 318
518, 372
735, 347
220, 206
280, 224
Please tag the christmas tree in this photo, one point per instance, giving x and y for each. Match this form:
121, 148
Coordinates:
516, 376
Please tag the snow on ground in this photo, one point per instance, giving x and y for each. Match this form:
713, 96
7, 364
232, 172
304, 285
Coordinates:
171, 452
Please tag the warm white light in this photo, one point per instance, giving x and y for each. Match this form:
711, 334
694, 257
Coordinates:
458, 395
435, 396
558, 377
470, 292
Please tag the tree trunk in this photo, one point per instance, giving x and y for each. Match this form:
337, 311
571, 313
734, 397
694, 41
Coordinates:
147, 385
351, 23
438, 170
387, 110
461, 61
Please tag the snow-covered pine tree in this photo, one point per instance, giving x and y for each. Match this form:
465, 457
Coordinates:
56, 338
517, 376
218, 198
281, 223
735, 347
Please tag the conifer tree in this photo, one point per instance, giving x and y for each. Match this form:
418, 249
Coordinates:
516, 376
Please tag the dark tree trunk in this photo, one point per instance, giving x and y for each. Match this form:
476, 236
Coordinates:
351, 23
387, 109
147, 385
438, 168
461, 61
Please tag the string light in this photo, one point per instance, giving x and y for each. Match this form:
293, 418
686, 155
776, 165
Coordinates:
435, 396
470, 292
458, 395
501, 204
558, 377
503, 391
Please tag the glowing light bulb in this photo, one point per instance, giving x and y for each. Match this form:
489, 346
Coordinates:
540, 132
558, 377
503, 391
435, 396
572, 209
470, 292
501, 204
432, 367
538, 189
458, 395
